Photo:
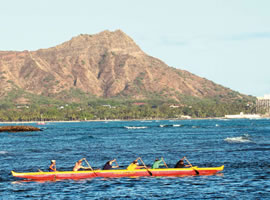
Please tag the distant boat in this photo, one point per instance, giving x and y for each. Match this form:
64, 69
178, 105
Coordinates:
41, 123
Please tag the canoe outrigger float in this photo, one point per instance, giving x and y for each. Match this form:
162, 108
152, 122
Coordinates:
118, 173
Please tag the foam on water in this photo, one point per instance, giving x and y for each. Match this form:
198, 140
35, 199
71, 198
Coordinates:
3, 152
169, 125
176, 125
163, 125
136, 127
240, 139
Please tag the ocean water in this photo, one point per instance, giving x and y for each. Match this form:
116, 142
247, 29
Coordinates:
242, 146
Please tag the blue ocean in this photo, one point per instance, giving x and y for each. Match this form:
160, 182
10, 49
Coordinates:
241, 145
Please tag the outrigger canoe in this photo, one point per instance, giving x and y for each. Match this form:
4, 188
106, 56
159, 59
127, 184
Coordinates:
118, 173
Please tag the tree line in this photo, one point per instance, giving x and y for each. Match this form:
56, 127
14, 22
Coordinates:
129, 111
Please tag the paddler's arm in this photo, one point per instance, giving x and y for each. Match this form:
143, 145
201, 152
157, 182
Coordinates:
53, 167
186, 159
160, 162
115, 166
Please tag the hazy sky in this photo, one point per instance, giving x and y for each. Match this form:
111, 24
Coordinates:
226, 41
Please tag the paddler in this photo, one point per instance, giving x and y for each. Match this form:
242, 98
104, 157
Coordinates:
158, 162
109, 165
78, 165
180, 163
134, 165
52, 167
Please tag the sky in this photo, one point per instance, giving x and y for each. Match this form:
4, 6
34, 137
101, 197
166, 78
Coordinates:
225, 41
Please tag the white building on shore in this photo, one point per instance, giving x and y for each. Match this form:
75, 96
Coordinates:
242, 115
263, 104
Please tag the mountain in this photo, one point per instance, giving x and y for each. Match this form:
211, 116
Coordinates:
103, 65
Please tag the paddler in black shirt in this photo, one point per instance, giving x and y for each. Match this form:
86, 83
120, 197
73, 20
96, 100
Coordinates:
109, 165
180, 164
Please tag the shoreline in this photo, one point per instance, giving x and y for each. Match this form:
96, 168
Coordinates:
108, 120
97, 120
32, 122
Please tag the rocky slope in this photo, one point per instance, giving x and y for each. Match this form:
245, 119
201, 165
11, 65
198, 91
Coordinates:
105, 65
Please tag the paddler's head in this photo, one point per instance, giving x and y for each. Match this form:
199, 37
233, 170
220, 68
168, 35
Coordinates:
52, 161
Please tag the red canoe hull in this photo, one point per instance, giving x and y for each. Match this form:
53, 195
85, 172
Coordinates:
118, 173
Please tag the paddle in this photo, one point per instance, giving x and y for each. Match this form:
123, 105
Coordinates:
145, 167
164, 163
197, 172
89, 166
116, 164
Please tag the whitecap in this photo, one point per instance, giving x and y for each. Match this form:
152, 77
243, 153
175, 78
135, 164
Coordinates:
3, 152
164, 125
135, 127
176, 125
241, 139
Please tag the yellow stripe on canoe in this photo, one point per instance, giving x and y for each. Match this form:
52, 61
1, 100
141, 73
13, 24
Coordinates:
119, 171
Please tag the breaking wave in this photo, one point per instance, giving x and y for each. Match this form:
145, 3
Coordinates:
176, 125
170, 125
3, 152
163, 125
136, 127
241, 139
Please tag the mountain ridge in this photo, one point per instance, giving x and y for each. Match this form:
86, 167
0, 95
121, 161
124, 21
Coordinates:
103, 65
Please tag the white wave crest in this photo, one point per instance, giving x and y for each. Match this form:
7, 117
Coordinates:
164, 125
177, 125
135, 127
3, 152
241, 139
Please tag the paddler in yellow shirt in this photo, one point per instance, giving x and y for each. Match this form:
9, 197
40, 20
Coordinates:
134, 165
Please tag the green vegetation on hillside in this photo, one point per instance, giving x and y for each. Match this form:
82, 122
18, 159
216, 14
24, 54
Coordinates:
90, 108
